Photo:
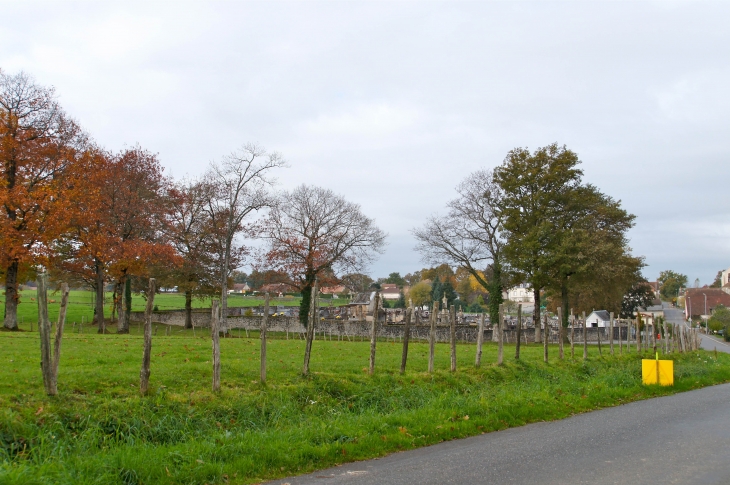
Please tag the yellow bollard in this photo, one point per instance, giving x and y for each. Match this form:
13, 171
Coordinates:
657, 371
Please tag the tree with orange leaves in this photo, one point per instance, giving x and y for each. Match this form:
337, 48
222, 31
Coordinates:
38, 145
118, 226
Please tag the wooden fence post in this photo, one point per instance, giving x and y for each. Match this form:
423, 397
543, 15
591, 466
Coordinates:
264, 323
374, 334
560, 333
682, 340
500, 342
432, 336
214, 333
480, 339
598, 335
620, 343
519, 330
59, 331
452, 322
44, 329
144, 373
610, 332
572, 334
545, 338
406, 338
585, 337
312, 317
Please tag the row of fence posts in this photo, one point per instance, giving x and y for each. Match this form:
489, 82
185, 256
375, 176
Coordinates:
680, 338
51, 353
677, 338
687, 339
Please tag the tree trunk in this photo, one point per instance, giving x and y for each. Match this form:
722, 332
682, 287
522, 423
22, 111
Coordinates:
536, 314
264, 322
223, 325
480, 340
310, 329
215, 335
144, 373
44, 329
126, 310
495, 291
452, 323
432, 337
585, 337
309, 280
11, 296
565, 311
189, 309
406, 338
373, 334
101, 323
59, 330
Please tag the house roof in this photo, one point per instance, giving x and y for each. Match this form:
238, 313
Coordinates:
696, 296
241, 286
602, 314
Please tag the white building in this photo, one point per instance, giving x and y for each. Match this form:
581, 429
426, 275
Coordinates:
598, 318
725, 278
520, 294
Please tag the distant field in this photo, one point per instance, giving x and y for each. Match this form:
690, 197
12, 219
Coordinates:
81, 309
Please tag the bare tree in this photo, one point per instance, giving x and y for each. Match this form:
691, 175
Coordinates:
469, 235
312, 231
237, 187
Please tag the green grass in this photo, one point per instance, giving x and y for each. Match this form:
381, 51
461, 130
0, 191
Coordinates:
98, 429
80, 307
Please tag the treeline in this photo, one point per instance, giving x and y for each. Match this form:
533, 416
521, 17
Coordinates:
534, 220
90, 216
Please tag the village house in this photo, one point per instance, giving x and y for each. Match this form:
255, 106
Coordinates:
701, 301
336, 291
240, 288
519, 294
275, 289
389, 291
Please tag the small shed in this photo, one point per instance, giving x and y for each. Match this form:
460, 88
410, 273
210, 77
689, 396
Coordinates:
598, 318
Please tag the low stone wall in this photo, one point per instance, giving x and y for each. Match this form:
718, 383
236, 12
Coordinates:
349, 329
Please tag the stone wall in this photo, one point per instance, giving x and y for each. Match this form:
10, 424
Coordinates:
349, 329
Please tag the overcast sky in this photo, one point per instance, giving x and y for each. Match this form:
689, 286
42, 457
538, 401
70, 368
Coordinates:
392, 104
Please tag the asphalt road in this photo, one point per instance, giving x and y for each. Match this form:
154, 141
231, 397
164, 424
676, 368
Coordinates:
680, 439
675, 315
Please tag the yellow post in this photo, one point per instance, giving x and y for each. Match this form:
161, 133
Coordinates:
657, 371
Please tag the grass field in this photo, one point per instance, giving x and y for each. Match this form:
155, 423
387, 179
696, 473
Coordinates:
81, 309
99, 431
